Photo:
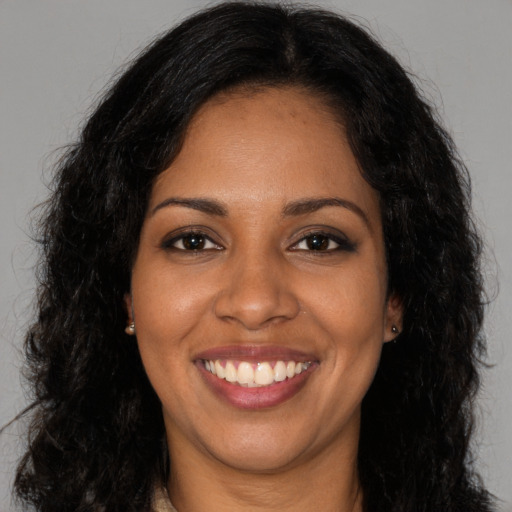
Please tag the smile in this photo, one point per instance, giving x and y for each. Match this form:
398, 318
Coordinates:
255, 377
255, 374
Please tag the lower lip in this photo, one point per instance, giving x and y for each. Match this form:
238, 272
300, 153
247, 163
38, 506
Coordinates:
255, 398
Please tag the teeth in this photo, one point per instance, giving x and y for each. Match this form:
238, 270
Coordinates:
253, 375
245, 373
279, 371
264, 375
219, 370
290, 369
231, 373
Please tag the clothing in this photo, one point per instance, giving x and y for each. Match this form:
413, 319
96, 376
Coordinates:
161, 501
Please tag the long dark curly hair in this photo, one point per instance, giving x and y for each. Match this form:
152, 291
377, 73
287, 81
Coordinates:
97, 440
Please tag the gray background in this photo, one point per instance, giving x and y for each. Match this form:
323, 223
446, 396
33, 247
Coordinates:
56, 56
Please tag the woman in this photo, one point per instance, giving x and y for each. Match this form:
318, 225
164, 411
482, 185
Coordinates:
260, 287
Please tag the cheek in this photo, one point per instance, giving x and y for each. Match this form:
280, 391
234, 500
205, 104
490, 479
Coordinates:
166, 310
167, 305
349, 304
350, 311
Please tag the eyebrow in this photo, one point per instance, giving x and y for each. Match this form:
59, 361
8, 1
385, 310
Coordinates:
304, 206
293, 209
208, 206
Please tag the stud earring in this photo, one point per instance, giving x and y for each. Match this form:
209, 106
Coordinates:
394, 329
130, 329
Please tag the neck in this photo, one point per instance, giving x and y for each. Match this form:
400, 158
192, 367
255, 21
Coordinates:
329, 481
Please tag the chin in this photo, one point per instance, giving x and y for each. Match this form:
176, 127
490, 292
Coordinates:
259, 455
274, 447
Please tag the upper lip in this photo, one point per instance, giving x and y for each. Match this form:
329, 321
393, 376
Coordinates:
256, 353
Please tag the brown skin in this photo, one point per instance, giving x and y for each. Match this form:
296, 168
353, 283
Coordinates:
257, 282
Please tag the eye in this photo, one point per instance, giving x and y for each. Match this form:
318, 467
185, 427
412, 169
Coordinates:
191, 241
323, 242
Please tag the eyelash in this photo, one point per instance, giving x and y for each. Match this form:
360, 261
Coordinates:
171, 244
343, 244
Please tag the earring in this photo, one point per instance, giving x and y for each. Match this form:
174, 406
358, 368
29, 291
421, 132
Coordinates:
394, 329
130, 329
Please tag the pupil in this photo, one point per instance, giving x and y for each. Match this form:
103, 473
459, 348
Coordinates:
193, 242
318, 242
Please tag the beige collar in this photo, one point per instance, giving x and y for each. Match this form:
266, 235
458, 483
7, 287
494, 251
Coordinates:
161, 501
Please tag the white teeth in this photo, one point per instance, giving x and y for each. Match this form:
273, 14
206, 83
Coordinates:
245, 373
219, 370
290, 369
253, 375
264, 375
279, 371
231, 373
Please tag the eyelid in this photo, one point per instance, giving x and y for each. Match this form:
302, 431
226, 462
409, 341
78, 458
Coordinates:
344, 243
169, 241
208, 241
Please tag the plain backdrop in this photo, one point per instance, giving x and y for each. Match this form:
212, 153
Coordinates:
56, 56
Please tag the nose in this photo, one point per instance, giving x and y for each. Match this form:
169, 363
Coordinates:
257, 294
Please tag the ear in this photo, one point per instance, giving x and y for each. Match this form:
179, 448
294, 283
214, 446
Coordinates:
128, 306
394, 318
130, 324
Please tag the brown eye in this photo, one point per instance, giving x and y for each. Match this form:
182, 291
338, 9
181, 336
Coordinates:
190, 242
324, 243
317, 242
193, 242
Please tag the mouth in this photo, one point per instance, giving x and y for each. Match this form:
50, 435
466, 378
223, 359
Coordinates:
255, 377
259, 374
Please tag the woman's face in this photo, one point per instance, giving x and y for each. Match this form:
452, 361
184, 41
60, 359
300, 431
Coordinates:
259, 286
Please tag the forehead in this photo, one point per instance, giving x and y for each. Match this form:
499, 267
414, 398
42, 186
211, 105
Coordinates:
266, 146
264, 112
